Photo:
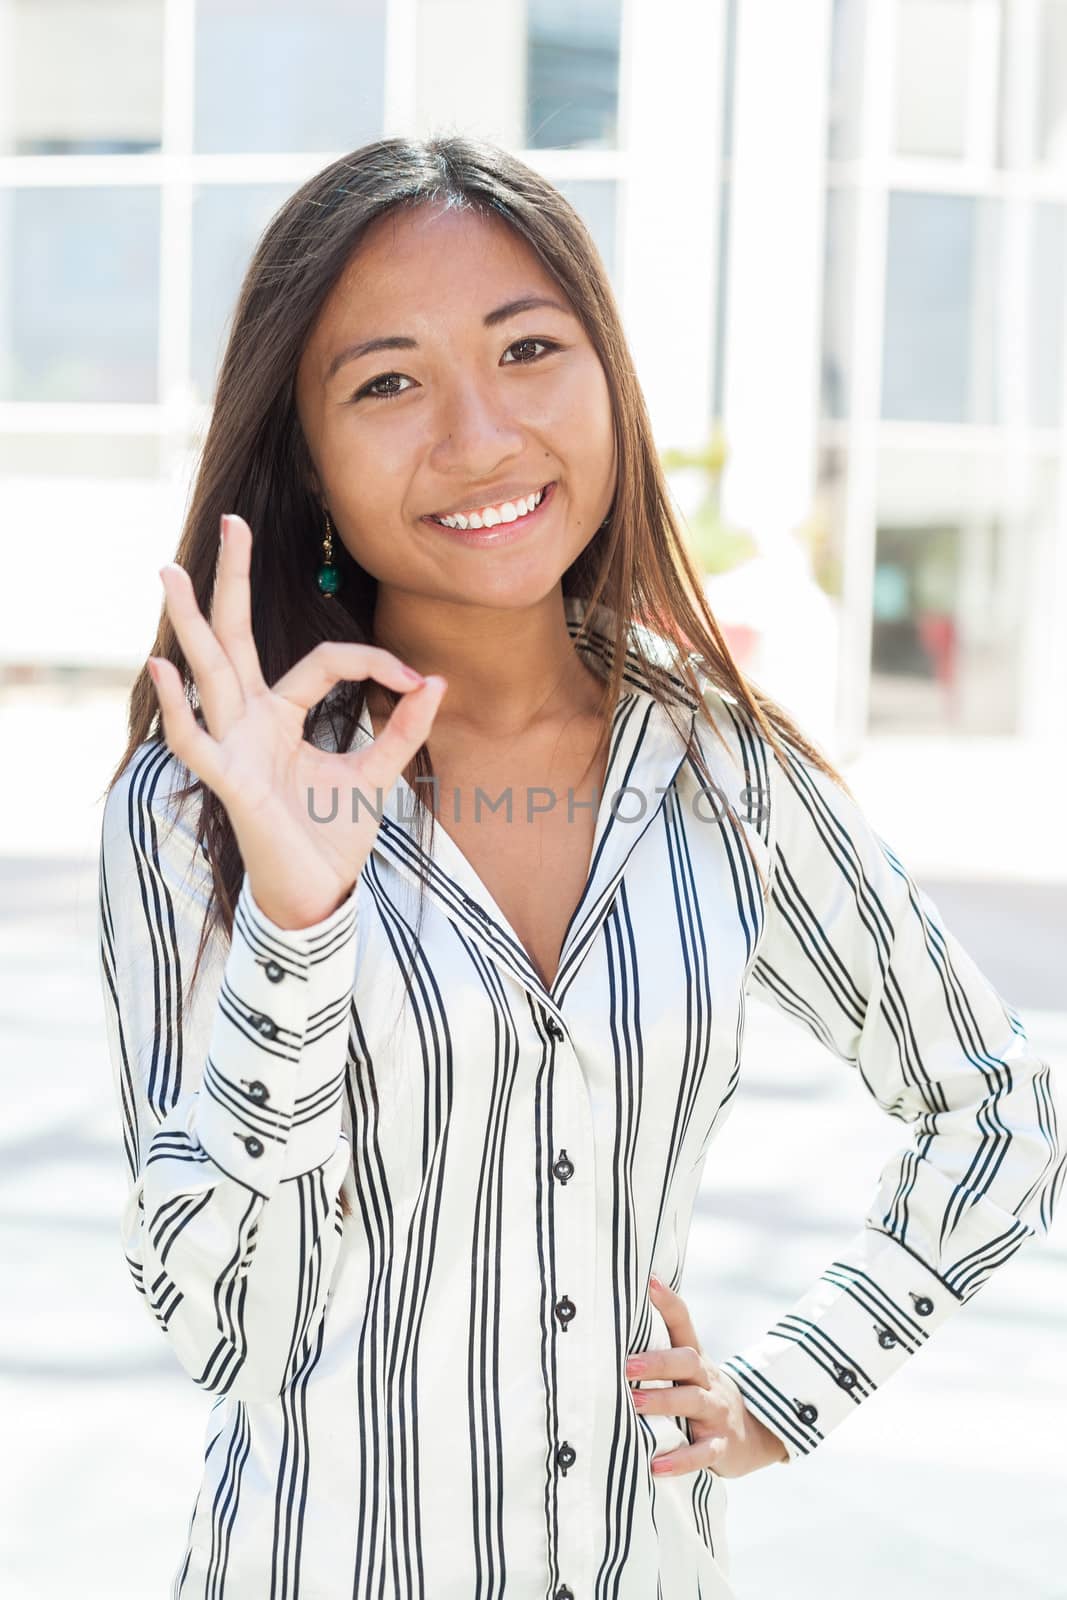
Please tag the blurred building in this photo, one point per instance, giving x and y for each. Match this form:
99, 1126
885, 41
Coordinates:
837, 229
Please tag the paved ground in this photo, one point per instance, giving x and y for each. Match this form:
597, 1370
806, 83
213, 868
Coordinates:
951, 1482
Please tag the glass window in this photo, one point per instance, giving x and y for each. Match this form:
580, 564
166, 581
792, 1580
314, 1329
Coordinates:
572, 66
84, 77
940, 330
82, 289
1052, 85
825, 531
839, 267
932, 77
955, 574
845, 141
289, 75
596, 202
1045, 314
227, 222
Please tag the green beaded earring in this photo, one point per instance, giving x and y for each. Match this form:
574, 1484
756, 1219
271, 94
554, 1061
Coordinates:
329, 578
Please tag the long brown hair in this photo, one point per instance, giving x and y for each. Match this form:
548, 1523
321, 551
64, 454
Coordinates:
254, 460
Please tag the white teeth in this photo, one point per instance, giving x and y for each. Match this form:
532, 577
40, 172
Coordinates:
510, 511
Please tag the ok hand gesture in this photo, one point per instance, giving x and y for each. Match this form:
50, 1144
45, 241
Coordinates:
275, 784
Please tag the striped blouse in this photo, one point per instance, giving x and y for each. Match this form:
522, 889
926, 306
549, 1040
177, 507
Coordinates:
428, 1398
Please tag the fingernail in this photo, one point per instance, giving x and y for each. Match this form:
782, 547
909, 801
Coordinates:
153, 670
413, 676
661, 1466
222, 529
634, 1365
654, 1282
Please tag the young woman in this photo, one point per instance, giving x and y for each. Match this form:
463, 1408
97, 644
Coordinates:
417, 1092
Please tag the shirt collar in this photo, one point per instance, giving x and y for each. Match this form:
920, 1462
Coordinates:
648, 653
648, 748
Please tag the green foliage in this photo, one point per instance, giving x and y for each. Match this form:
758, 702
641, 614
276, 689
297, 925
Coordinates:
716, 545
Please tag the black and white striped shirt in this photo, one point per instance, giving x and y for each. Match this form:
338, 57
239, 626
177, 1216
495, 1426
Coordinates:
428, 1398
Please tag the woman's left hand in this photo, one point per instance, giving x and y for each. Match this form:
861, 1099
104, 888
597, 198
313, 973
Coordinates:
726, 1436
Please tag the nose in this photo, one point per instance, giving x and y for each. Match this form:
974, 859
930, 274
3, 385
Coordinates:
478, 432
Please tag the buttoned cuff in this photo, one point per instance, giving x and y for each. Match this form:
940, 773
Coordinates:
868, 1312
269, 1106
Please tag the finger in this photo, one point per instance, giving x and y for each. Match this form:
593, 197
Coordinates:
673, 1400
231, 603
216, 681
306, 682
380, 763
183, 734
678, 1363
691, 1457
674, 1311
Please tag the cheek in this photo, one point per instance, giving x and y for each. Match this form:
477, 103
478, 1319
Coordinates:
590, 431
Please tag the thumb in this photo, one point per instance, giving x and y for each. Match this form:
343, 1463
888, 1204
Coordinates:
380, 762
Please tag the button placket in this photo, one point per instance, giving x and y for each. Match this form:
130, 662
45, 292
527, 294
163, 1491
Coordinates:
569, 1163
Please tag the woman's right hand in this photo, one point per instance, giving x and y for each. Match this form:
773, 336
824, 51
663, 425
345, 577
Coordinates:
272, 781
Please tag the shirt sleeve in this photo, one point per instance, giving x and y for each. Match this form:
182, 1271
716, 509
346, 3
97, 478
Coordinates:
856, 953
231, 1100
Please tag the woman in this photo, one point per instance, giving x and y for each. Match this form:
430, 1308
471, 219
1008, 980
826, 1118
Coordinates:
417, 1093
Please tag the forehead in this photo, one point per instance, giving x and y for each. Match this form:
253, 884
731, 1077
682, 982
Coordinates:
418, 261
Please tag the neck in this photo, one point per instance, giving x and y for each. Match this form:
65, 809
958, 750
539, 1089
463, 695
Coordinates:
507, 669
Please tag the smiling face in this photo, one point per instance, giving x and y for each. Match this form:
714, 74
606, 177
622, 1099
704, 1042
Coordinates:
478, 405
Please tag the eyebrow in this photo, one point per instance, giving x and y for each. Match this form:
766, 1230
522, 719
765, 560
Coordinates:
397, 341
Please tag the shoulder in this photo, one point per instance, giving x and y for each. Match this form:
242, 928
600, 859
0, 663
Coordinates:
728, 723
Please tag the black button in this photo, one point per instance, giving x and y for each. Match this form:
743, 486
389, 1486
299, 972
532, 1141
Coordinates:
274, 972
806, 1412
566, 1456
923, 1304
886, 1338
265, 1025
253, 1145
564, 1167
845, 1377
552, 1027
566, 1310
258, 1091
563, 1593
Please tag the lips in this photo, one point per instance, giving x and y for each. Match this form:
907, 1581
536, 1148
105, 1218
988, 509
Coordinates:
477, 510
501, 532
